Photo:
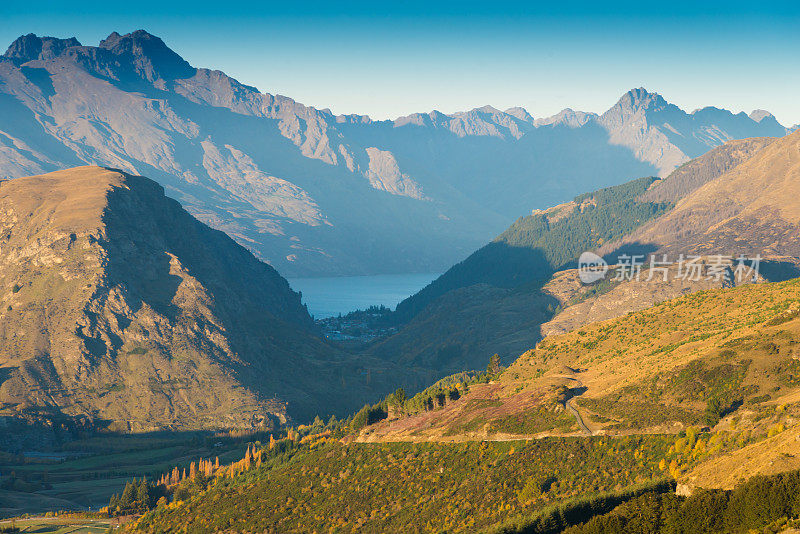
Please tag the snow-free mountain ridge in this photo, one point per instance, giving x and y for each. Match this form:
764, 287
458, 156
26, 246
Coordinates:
315, 193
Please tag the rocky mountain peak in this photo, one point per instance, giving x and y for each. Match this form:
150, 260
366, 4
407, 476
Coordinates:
641, 98
150, 56
567, 117
765, 118
633, 103
32, 47
760, 114
487, 109
520, 113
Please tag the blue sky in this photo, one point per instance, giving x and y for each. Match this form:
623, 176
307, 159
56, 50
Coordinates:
387, 60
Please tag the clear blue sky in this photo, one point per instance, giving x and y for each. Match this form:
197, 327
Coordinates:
386, 60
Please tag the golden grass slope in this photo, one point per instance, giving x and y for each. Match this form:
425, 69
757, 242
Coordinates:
701, 170
754, 208
776, 454
654, 370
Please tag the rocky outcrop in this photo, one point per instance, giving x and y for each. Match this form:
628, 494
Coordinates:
384, 174
32, 47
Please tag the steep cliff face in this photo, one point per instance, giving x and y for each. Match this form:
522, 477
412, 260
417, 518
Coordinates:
117, 305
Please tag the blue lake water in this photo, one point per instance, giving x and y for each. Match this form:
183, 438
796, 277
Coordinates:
328, 297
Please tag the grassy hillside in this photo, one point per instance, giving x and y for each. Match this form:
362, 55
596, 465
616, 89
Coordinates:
536, 505
691, 361
699, 171
461, 329
750, 209
668, 392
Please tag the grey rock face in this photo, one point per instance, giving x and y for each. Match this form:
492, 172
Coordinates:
31, 47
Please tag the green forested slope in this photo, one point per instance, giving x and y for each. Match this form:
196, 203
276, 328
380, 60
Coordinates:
537, 245
769, 503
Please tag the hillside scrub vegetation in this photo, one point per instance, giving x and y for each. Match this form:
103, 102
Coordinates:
461, 487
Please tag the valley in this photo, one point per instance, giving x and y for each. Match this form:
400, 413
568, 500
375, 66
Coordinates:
226, 311
334, 296
84, 471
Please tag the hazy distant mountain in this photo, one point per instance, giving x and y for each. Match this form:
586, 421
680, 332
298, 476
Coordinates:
118, 306
315, 193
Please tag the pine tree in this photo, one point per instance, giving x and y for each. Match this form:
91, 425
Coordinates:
129, 494
113, 503
176, 476
399, 397
494, 365
247, 459
143, 495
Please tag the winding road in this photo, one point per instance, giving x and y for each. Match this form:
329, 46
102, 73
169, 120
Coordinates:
574, 411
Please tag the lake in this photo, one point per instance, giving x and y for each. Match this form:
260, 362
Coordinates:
328, 297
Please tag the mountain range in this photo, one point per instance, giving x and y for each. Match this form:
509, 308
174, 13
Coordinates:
119, 306
314, 193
